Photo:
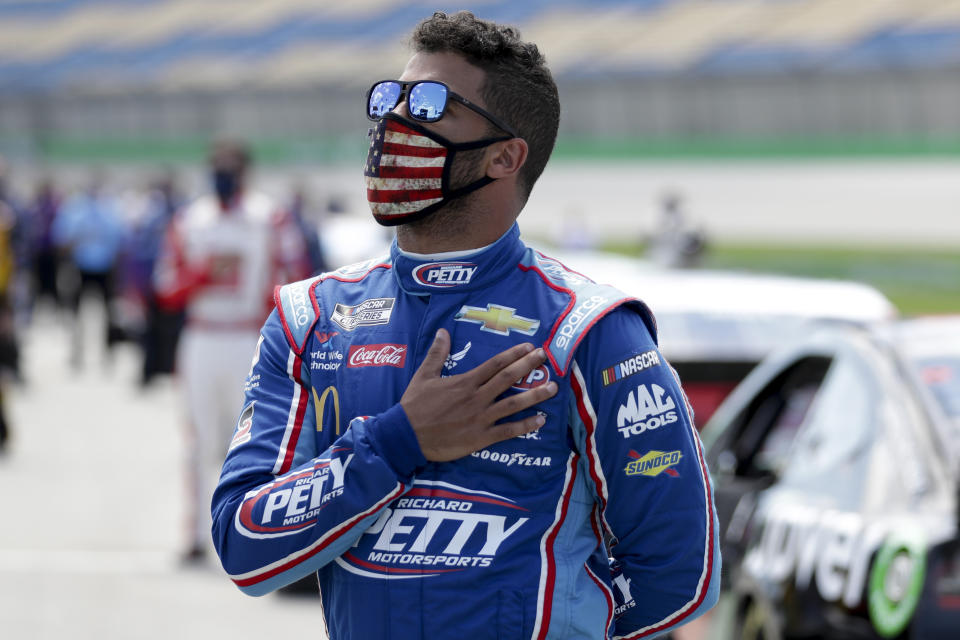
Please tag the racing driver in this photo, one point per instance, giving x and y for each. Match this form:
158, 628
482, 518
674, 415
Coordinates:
464, 439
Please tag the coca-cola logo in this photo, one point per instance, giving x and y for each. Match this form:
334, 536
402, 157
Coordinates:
377, 355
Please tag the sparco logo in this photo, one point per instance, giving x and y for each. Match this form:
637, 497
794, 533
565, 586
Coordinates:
443, 275
368, 313
435, 528
647, 408
377, 355
297, 297
576, 318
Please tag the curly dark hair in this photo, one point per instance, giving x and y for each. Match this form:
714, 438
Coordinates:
518, 87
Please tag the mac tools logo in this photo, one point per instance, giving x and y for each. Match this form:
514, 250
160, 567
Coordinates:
443, 275
435, 528
377, 355
648, 408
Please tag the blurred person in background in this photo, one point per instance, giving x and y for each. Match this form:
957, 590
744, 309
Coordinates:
89, 232
222, 256
463, 438
310, 223
9, 351
675, 242
162, 326
45, 256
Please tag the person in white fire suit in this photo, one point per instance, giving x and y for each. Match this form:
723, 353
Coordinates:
221, 258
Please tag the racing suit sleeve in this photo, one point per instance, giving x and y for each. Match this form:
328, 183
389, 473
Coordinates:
644, 458
175, 278
286, 504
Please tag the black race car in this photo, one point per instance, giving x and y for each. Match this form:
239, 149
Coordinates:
836, 466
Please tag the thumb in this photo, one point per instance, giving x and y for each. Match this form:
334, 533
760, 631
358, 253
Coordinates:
432, 364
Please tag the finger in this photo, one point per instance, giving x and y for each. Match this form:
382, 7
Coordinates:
495, 364
516, 370
508, 430
432, 364
520, 401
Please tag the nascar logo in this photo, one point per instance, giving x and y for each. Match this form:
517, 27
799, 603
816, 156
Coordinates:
653, 463
443, 275
630, 366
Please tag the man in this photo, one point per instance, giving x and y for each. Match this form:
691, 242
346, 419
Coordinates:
221, 258
88, 228
460, 436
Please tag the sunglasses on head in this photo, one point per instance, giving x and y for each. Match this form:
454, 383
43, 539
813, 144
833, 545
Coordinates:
426, 101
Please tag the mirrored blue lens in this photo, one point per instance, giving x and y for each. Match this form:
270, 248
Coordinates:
427, 101
383, 98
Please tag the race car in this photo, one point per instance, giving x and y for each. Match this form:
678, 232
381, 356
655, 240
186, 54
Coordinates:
836, 467
715, 326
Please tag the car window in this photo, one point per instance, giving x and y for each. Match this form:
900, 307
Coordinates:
829, 453
758, 441
942, 377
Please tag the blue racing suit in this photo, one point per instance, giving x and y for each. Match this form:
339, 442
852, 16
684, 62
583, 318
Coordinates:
599, 525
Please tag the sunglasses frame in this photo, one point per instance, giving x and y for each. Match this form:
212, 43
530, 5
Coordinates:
407, 86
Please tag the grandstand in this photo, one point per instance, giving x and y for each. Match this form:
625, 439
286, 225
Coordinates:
670, 69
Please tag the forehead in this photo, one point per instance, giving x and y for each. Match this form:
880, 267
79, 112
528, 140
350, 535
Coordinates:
450, 68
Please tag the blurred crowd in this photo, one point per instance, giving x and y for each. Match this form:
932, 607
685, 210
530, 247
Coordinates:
103, 243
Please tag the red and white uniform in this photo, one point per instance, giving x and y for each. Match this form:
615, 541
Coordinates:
221, 266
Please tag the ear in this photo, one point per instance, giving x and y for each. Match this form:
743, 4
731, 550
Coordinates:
507, 157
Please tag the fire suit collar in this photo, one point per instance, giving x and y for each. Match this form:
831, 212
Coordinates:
423, 275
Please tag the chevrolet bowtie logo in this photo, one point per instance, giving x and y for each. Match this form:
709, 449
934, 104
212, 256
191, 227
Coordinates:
498, 319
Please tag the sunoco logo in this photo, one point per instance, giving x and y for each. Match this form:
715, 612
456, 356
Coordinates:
443, 275
649, 407
653, 463
435, 528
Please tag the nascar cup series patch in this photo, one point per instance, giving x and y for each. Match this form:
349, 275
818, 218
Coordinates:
368, 313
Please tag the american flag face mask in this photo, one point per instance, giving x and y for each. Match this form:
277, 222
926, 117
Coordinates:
408, 170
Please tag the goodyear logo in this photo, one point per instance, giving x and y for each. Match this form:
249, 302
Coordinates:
653, 463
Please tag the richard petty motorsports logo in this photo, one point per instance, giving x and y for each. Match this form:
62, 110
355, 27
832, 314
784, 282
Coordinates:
435, 528
444, 275
291, 503
647, 408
